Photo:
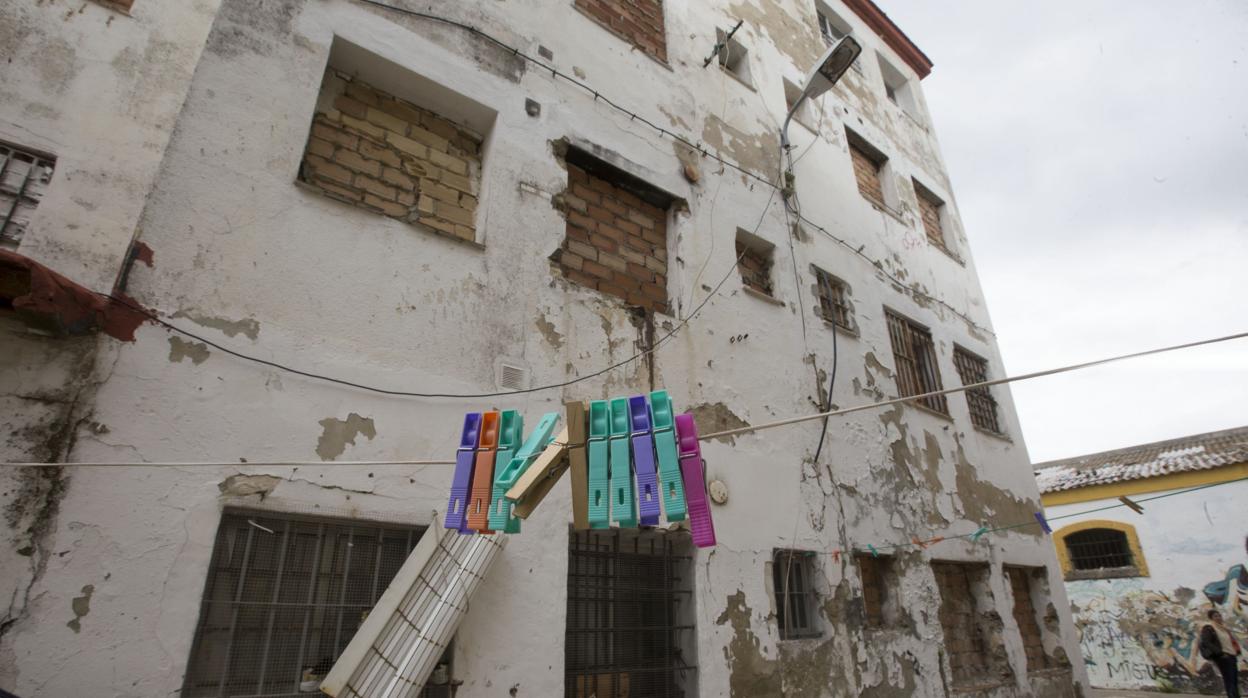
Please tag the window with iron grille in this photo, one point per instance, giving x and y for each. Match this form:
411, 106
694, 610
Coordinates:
1099, 548
929, 210
972, 369
915, 358
833, 300
875, 573
283, 597
630, 626
796, 601
24, 175
754, 256
1025, 616
868, 162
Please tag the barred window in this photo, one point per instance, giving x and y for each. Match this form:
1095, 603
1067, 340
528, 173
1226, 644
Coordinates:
929, 210
915, 356
24, 175
1099, 548
283, 597
833, 299
796, 600
630, 621
972, 369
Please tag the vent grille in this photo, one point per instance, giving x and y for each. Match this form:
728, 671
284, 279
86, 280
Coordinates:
513, 377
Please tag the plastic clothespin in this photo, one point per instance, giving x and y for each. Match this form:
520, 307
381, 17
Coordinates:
623, 502
700, 522
978, 534
461, 482
874, 552
599, 474
671, 489
1044, 524
510, 432
643, 461
577, 464
483, 475
537, 481
501, 518
836, 555
1131, 503
922, 544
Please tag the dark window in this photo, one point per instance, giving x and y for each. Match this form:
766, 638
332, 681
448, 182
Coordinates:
754, 262
23, 177
283, 597
868, 162
833, 300
831, 29
915, 356
1025, 616
874, 572
972, 369
796, 600
1099, 548
929, 210
630, 627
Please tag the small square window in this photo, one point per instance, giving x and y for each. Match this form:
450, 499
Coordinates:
754, 261
868, 166
973, 369
897, 87
24, 175
833, 297
930, 210
796, 600
733, 57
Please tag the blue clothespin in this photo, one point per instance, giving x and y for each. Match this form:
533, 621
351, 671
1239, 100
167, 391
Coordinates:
599, 474
461, 482
623, 508
501, 517
671, 489
643, 459
978, 534
1044, 524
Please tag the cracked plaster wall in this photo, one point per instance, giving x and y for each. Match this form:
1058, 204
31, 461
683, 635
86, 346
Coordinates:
246, 258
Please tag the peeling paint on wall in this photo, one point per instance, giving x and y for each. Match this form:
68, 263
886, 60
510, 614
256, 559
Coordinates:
81, 606
231, 328
758, 152
180, 349
547, 328
982, 500
245, 485
717, 416
337, 433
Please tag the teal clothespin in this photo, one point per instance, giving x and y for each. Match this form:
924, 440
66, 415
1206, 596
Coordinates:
501, 518
979, 533
599, 474
874, 552
671, 489
623, 494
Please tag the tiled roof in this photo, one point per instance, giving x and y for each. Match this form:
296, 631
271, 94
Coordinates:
1186, 454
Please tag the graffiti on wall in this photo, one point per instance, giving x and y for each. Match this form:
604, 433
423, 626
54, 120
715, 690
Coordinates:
1132, 636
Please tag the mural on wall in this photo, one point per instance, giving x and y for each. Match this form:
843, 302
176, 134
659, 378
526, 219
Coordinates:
1132, 636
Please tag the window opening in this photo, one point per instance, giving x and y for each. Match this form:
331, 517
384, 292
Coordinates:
875, 573
832, 28
1025, 616
1099, 548
964, 637
796, 600
833, 300
868, 163
930, 207
915, 356
734, 57
983, 407
24, 177
755, 263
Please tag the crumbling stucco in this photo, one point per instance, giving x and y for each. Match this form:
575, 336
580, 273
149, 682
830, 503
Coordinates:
245, 485
716, 416
337, 433
180, 349
248, 327
81, 606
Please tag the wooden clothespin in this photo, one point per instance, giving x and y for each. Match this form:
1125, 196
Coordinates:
1134, 507
535, 483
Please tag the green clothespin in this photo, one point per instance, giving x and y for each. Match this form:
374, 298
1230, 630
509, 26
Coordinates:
671, 489
623, 494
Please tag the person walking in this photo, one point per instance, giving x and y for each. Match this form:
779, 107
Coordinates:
1220, 647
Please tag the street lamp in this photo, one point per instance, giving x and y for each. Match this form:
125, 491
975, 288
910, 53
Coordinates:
835, 61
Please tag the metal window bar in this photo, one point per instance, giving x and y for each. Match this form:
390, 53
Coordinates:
625, 598
915, 356
796, 600
278, 606
1025, 616
833, 304
983, 407
1099, 548
23, 177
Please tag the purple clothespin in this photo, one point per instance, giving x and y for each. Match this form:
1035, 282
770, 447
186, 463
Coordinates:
643, 460
1043, 523
461, 483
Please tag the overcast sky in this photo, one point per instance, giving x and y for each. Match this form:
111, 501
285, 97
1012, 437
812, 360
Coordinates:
1099, 156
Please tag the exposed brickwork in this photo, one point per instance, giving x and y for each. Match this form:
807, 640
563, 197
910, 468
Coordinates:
1025, 616
616, 243
874, 588
867, 172
964, 637
638, 21
387, 155
755, 267
929, 211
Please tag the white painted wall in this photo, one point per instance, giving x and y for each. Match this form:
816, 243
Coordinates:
249, 260
1141, 632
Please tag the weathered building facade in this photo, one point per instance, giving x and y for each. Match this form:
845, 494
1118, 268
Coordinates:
360, 192
1141, 584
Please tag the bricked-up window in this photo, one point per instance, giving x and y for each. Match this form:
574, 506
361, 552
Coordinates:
24, 175
973, 369
387, 155
797, 603
283, 597
1025, 617
833, 297
639, 22
630, 619
965, 640
1099, 548
868, 164
915, 358
754, 256
930, 207
616, 233
877, 575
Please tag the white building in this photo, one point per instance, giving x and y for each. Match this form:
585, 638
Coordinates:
1141, 584
358, 192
